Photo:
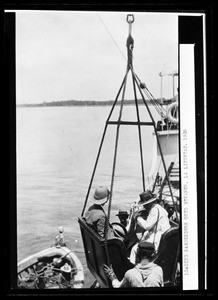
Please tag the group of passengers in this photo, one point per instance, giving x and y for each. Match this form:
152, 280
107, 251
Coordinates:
157, 221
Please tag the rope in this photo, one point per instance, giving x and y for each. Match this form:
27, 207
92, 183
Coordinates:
154, 102
100, 147
112, 37
152, 99
115, 154
139, 131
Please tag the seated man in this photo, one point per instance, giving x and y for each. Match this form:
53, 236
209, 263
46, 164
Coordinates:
96, 216
156, 223
172, 207
144, 274
123, 217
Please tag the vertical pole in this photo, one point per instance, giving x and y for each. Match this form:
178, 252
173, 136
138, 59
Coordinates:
173, 87
161, 87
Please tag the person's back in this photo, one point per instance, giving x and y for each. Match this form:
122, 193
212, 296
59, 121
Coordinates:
95, 216
150, 275
144, 274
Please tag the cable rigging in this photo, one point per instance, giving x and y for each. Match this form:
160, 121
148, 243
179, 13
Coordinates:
160, 110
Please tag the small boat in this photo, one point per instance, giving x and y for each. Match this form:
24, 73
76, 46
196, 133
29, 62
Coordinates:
56, 267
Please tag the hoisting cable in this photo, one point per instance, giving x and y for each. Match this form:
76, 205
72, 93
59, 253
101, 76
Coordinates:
129, 44
130, 20
152, 99
139, 131
100, 147
114, 165
130, 41
149, 95
115, 155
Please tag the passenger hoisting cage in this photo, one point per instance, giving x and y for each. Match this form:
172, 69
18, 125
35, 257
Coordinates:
102, 251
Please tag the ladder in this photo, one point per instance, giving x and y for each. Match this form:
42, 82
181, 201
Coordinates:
174, 176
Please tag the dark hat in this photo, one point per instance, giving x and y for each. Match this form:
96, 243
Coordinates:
146, 247
122, 213
147, 197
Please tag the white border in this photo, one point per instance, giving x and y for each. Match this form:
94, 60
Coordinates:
188, 168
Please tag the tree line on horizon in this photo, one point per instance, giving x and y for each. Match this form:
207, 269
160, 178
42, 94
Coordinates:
86, 103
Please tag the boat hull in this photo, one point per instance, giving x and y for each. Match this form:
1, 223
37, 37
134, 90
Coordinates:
28, 269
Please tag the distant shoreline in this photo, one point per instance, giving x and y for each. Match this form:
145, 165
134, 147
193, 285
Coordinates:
87, 103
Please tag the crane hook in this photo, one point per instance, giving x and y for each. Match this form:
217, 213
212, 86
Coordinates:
130, 18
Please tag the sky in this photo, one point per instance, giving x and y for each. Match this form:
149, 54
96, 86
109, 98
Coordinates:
68, 55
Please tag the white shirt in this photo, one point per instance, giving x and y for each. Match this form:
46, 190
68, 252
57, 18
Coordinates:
157, 213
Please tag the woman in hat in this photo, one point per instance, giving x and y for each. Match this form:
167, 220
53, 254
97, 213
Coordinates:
156, 223
95, 216
144, 274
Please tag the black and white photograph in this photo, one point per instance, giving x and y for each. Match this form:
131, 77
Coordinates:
108, 197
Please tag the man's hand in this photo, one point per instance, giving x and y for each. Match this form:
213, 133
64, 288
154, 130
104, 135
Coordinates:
109, 272
136, 215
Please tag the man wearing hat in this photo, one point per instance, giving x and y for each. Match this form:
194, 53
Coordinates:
123, 216
144, 274
156, 223
95, 216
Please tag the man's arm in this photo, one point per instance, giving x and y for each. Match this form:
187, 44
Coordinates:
101, 226
112, 276
150, 221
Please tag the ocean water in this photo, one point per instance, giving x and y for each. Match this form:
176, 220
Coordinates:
56, 149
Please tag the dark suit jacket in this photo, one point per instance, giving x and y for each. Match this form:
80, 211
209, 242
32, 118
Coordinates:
96, 218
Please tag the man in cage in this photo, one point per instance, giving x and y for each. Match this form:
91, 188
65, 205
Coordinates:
144, 274
155, 224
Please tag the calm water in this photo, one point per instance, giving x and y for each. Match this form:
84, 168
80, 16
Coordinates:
56, 152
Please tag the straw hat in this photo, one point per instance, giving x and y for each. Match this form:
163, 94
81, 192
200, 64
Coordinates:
147, 197
66, 268
101, 195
